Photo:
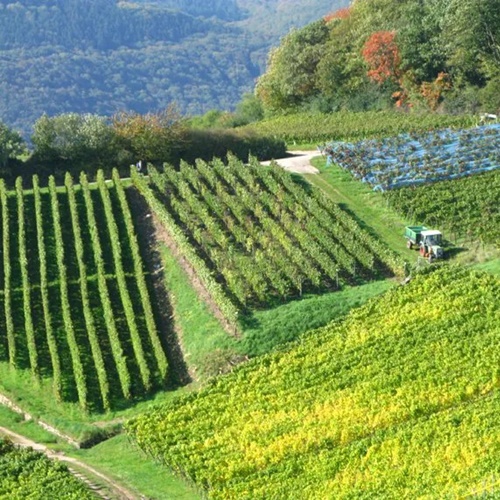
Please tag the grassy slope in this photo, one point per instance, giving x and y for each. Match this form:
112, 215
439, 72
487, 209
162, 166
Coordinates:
208, 348
493, 266
274, 327
125, 463
27, 428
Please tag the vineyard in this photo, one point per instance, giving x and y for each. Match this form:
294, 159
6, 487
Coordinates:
256, 236
399, 400
75, 301
25, 473
348, 126
413, 159
466, 208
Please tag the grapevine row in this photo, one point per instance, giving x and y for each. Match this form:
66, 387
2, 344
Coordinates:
160, 357
9, 323
78, 370
97, 355
114, 339
49, 331
122, 283
23, 260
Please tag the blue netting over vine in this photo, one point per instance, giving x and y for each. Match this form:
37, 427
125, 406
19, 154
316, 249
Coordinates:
412, 159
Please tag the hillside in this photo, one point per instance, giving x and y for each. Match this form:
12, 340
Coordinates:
377, 54
399, 399
105, 56
126, 300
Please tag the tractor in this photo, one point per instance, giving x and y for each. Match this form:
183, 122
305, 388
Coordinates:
428, 240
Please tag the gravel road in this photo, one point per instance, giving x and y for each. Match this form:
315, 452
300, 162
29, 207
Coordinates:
298, 162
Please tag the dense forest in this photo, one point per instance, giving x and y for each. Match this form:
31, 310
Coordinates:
377, 54
104, 56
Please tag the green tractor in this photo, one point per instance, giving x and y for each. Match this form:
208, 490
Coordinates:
428, 240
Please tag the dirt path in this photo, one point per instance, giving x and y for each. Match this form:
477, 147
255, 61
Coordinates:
111, 490
298, 162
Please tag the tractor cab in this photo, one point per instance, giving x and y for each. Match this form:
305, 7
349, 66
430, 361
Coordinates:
430, 244
431, 237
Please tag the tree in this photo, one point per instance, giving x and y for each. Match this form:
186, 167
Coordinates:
75, 140
290, 78
341, 71
153, 137
11, 144
421, 48
381, 53
249, 110
471, 36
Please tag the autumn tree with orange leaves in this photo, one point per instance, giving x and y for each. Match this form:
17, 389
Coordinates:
343, 13
381, 53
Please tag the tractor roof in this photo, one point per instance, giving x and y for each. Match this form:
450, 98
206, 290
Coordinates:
431, 232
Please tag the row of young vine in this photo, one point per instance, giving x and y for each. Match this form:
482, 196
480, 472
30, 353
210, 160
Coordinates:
72, 329
263, 236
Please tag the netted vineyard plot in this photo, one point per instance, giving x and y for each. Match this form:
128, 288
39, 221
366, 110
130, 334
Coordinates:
260, 236
415, 159
72, 311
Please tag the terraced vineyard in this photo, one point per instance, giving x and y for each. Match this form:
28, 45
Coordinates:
29, 474
75, 302
465, 208
257, 236
399, 400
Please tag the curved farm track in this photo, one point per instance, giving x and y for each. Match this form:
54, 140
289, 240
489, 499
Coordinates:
108, 489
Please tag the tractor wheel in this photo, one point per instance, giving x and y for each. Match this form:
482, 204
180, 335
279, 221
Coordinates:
409, 244
431, 258
422, 251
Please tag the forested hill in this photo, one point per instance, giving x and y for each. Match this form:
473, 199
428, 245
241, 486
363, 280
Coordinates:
104, 56
90, 24
430, 55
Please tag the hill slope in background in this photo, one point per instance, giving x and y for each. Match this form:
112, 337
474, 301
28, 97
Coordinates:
104, 56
